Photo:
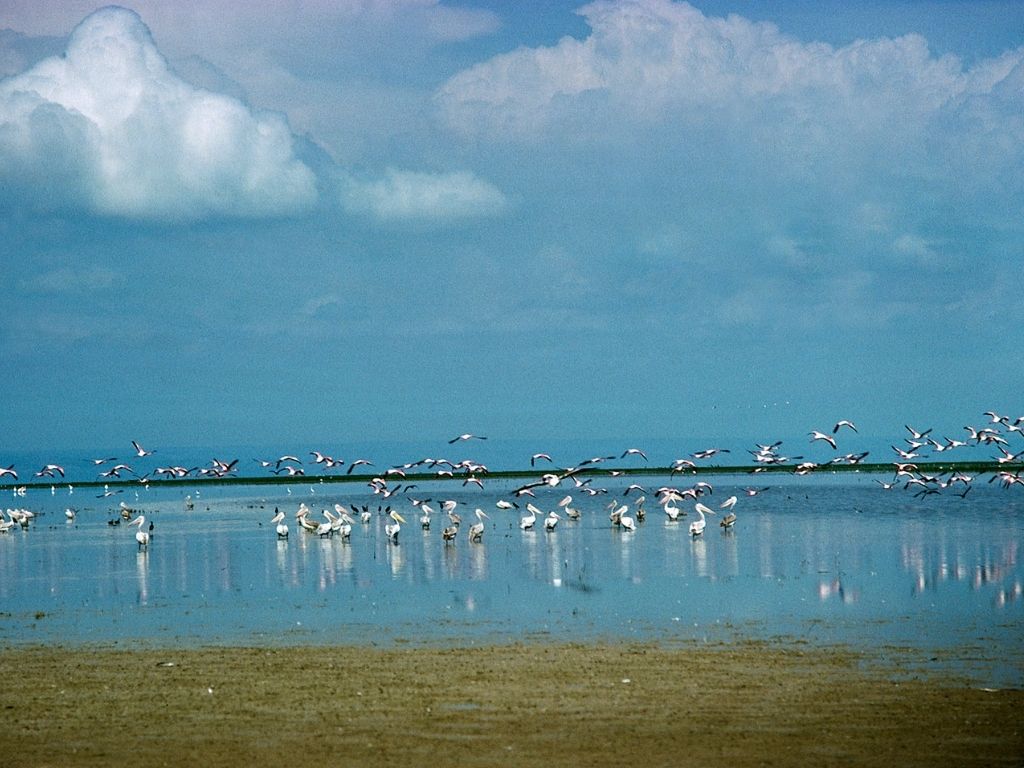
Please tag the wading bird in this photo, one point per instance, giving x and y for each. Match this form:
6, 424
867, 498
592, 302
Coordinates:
282, 526
476, 530
391, 529
697, 526
141, 536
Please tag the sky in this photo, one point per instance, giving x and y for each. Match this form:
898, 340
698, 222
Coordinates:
242, 223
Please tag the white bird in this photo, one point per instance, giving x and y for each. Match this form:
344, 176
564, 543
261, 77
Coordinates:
391, 529
425, 518
633, 452
697, 526
551, 520
843, 423
528, 520
141, 536
140, 451
476, 531
816, 435
625, 522
730, 519
466, 437
282, 527
672, 511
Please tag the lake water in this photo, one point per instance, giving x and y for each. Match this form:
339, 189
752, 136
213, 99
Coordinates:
827, 559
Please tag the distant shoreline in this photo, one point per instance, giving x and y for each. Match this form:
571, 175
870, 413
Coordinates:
927, 467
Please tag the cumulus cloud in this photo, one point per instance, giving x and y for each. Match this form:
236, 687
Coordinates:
109, 128
417, 196
646, 61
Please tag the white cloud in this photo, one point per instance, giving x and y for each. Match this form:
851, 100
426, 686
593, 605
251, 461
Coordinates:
647, 62
416, 196
110, 128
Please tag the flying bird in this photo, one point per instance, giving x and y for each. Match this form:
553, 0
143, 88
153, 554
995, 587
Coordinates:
843, 423
816, 435
467, 436
140, 451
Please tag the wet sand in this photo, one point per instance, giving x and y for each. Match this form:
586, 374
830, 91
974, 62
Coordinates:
536, 704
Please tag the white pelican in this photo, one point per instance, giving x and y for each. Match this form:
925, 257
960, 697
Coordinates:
391, 529
8, 472
843, 423
282, 526
697, 526
730, 519
502, 504
70, 513
425, 519
672, 511
476, 530
528, 520
449, 533
141, 536
626, 523
615, 516
551, 520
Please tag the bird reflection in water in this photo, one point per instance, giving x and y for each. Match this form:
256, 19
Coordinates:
834, 590
142, 573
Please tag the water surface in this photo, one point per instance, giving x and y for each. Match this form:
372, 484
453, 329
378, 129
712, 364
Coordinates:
832, 560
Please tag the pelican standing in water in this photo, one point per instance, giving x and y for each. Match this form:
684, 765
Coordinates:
141, 536
449, 534
527, 521
697, 526
476, 530
626, 523
282, 526
730, 519
391, 529
551, 520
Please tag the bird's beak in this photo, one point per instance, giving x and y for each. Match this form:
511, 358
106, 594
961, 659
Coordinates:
398, 517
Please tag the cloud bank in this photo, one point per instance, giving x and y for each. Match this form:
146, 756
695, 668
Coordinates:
417, 196
108, 128
648, 61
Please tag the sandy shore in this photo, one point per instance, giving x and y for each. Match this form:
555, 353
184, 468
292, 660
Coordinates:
526, 705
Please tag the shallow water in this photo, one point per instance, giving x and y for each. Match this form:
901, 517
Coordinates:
834, 560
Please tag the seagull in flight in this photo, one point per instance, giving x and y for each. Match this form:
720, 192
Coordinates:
816, 435
467, 436
140, 451
537, 457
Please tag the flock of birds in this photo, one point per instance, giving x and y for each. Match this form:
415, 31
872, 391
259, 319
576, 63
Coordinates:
393, 484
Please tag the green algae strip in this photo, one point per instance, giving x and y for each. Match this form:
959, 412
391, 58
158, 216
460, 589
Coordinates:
928, 467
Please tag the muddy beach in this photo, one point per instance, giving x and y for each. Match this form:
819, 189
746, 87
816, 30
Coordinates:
746, 704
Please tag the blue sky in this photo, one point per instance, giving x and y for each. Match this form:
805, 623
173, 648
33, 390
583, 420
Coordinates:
322, 221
